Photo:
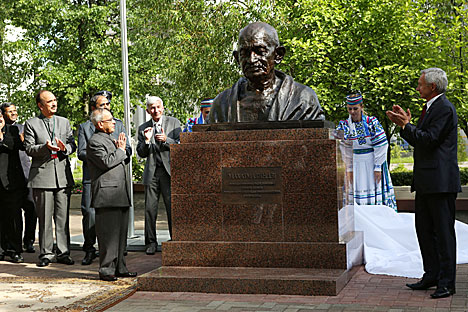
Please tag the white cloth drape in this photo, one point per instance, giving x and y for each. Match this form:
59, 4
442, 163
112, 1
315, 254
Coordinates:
390, 243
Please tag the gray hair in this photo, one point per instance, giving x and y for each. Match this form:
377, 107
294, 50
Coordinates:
152, 100
94, 99
96, 116
437, 76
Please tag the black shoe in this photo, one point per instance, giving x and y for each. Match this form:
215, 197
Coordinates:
151, 250
422, 285
66, 260
29, 248
17, 258
107, 278
88, 258
128, 274
43, 262
442, 292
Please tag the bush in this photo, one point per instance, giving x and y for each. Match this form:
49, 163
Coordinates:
400, 178
77, 188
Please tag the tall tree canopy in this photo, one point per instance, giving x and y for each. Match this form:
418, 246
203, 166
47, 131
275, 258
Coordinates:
181, 50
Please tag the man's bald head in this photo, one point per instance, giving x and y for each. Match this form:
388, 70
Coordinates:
259, 30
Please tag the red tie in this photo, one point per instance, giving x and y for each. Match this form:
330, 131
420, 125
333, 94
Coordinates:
423, 112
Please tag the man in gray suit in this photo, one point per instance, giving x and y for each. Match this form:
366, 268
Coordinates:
85, 132
154, 139
30, 219
110, 194
48, 139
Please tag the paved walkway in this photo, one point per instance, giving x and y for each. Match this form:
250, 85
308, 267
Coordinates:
25, 287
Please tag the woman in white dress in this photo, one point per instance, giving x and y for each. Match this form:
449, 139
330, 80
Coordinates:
365, 153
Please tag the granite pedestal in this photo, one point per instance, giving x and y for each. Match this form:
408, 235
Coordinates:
258, 211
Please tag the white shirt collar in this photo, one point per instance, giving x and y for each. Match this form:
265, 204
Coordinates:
429, 103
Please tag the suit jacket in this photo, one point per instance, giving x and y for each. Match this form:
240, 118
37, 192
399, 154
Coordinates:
171, 127
11, 172
85, 132
45, 170
24, 158
435, 149
106, 162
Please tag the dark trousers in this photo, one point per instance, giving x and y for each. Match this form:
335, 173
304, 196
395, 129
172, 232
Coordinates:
435, 227
89, 219
111, 231
30, 218
11, 221
160, 184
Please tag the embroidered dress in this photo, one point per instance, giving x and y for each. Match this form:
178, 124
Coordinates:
193, 121
366, 148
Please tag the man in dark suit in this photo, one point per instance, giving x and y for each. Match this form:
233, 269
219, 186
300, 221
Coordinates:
12, 184
85, 132
48, 139
110, 194
154, 139
436, 180
10, 114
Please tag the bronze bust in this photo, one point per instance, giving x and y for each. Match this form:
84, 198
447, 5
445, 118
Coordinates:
264, 94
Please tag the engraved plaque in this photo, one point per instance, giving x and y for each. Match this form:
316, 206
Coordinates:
251, 186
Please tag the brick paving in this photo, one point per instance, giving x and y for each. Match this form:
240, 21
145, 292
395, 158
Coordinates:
365, 292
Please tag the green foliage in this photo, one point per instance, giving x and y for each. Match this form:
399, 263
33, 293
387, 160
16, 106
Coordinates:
77, 188
401, 178
138, 167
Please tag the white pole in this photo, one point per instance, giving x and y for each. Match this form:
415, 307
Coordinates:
126, 93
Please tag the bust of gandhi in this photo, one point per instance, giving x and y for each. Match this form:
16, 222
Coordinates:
264, 94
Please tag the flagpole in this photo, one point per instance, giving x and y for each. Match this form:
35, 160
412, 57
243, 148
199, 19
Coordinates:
126, 94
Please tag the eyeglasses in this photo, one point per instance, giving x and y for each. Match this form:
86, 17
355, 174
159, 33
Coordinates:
108, 120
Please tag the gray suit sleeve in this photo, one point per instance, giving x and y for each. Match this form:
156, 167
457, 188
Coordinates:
33, 149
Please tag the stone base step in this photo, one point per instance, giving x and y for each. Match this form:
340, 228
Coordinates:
238, 280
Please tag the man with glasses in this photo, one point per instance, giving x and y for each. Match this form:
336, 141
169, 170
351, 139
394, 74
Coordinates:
85, 132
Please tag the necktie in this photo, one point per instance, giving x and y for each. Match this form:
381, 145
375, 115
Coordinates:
423, 113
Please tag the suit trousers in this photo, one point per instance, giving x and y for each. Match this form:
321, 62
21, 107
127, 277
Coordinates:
88, 221
11, 222
435, 228
111, 231
53, 204
160, 184
30, 218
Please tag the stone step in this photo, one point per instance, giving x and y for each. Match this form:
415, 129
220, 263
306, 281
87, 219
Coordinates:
239, 280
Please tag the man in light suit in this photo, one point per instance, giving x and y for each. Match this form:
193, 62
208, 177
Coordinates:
436, 180
48, 139
30, 219
85, 132
110, 194
154, 139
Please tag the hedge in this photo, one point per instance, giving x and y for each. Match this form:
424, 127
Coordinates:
405, 178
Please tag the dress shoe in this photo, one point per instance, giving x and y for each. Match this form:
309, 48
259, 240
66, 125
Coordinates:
108, 278
88, 258
43, 262
422, 285
29, 248
17, 258
127, 274
66, 260
151, 250
442, 292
